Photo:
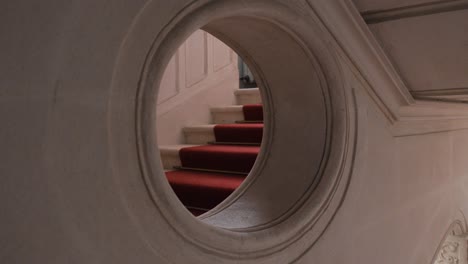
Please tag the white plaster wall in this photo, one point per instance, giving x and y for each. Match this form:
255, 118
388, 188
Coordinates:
429, 51
201, 74
59, 196
425, 41
403, 196
55, 75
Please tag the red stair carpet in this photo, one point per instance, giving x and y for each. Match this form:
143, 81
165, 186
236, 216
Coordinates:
210, 173
220, 157
239, 133
198, 190
253, 112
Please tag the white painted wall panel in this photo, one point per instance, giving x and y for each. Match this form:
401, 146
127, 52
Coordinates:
202, 73
196, 58
169, 86
222, 55
402, 198
430, 52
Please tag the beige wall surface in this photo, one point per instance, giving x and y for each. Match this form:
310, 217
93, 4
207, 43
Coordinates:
426, 43
61, 198
429, 51
403, 196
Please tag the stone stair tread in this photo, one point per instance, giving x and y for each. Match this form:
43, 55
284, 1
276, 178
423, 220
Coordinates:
170, 155
227, 108
212, 126
197, 128
247, 91
175, 148
248, 96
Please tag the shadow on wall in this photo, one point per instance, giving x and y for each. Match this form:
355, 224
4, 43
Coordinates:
246, 78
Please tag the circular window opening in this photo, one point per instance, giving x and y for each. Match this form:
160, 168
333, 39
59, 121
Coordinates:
300, 176
295, 102
209, 122
296, 180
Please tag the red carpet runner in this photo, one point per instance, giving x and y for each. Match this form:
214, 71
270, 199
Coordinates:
239, 133
220, 157
202, 189
253, 112
210, 173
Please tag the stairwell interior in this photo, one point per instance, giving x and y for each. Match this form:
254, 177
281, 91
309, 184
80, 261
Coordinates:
216, 157
212, 155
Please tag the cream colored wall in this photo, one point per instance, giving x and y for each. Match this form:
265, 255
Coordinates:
438, 41
404, 194
61, 198
203, 73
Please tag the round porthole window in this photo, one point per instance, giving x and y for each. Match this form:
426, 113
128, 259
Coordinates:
300, 176
209, 122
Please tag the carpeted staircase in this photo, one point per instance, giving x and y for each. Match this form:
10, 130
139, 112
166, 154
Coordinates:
217, 157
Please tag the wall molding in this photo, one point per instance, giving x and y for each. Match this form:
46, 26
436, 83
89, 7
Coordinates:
436, 7
367, 60
456, 95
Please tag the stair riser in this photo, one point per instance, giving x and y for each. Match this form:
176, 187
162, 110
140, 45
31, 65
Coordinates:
248, 96
169, 162
199, 137
240, 134
231, 115
245, 99
227, 117
219, 161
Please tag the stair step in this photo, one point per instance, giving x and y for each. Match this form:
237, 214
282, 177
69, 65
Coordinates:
205, 175
248, 133
202, 190
248, 96
233, 143
221, 158
170, 155
253, 112
227, 114
250, 122
208, 170
240, 133
236, 113
226, 158
200, 134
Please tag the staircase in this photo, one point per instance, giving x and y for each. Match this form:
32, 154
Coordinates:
216, 158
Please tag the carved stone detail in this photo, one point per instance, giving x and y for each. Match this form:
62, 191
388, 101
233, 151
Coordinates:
454, 247
449, 253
